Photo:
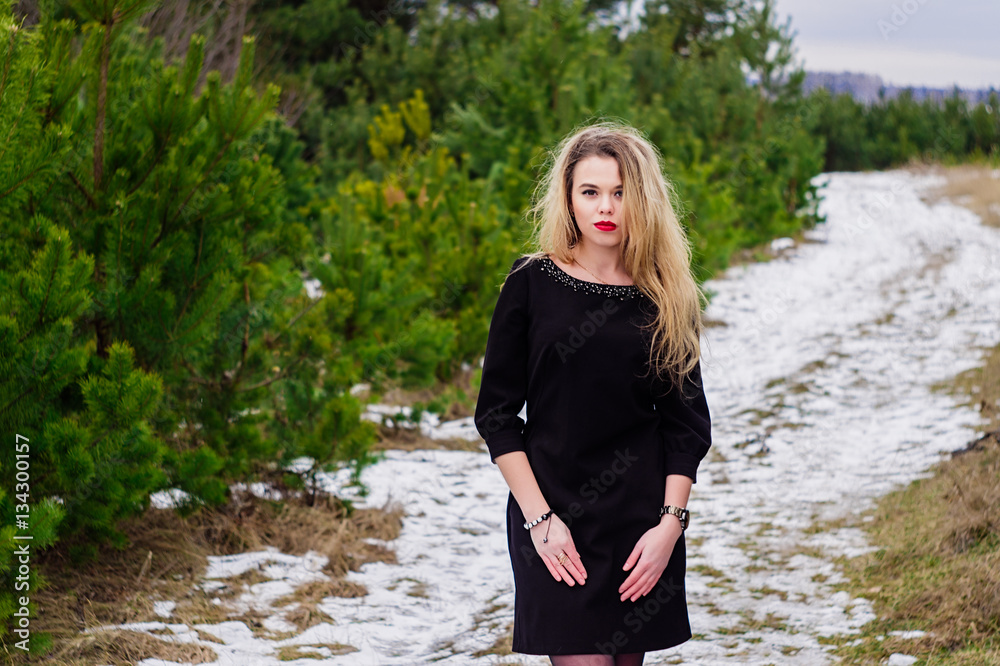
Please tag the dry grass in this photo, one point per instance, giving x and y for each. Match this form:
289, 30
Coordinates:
456, 396
450, 400
409, 439
129, 647
974, 186
501, 646
294, 652
938, 569
166, 558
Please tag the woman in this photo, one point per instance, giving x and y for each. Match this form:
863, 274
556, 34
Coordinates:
599, 332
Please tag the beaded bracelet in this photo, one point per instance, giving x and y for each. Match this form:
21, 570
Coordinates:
534, 522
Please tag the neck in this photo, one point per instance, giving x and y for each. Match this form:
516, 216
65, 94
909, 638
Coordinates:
606, 261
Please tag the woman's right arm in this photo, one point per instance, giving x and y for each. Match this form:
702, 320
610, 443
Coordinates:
517, 473
523, 486
502, 392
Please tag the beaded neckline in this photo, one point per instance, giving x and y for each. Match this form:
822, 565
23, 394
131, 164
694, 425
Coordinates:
622, 291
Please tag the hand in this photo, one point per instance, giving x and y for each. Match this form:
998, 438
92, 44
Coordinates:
560, 541
652, 552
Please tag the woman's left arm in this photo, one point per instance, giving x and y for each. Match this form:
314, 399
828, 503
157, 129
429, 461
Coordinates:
654, 548
686, 428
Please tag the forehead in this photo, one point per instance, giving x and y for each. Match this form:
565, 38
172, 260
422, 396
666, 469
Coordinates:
597, 170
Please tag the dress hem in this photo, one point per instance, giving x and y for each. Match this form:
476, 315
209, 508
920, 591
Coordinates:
589, 649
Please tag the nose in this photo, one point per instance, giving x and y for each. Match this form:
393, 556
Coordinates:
606, 206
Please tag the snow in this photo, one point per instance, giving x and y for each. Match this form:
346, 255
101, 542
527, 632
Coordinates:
818, 377
168, 499
164, 608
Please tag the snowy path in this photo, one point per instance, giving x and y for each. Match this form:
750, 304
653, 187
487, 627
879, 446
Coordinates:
819, 388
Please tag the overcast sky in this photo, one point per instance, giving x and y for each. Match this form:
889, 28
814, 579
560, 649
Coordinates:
937, 43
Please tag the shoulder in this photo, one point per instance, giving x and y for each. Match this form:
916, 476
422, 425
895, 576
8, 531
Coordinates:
527, 260
523, 266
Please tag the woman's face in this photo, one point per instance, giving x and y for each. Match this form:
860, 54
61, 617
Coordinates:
596, 200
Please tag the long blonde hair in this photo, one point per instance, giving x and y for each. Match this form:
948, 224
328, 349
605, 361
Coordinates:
656, 251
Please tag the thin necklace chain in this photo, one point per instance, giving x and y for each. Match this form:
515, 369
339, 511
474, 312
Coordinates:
589, 271
592, 273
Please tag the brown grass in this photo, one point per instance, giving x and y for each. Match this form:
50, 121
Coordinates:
130, 647
407, 439
293, 652
457, 395
455, 399
938, 569
970, 185
501, 646
166, 558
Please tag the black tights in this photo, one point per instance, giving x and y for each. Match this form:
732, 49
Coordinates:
632, 659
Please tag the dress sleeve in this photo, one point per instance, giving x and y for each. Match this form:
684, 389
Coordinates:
504, 382
685, 425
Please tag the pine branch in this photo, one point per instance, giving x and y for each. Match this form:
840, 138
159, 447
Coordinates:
152, 166
102, 97
284, 372
48, 292
7, 64
307, 309
194, 287
196, 323
83, 190
211, 167
18, 184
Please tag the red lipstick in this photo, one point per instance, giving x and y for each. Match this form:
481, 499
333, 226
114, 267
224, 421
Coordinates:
606, 226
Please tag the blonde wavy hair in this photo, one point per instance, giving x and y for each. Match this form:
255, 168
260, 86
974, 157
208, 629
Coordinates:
655, 248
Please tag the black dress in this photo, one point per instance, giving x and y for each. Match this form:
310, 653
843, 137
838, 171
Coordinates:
601, 440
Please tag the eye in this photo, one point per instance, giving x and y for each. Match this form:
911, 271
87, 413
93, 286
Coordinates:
589, 192
618, 194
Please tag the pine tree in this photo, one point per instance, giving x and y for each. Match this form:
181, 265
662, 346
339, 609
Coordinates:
151, 307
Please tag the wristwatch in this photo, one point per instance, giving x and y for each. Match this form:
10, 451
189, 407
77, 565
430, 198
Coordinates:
683, 514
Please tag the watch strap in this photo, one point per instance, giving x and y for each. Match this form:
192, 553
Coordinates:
682, 514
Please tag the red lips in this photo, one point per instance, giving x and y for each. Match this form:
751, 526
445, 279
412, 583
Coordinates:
606, 226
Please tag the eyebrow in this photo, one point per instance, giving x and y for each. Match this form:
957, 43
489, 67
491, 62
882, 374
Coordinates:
582, 185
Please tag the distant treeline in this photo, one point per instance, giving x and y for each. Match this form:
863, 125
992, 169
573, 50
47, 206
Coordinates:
900, 129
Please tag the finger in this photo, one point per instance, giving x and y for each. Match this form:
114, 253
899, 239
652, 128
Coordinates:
566, 574
635, 591
551, 567
574, 557
635, 575
575, 570
562, 567
643, 589
633, 557
626, 588
634, 585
